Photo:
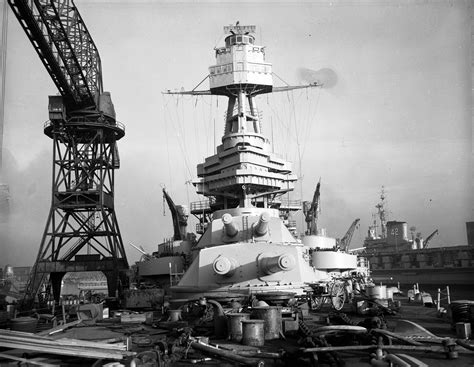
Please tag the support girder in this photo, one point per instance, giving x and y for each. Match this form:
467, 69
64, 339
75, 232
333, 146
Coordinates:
82, 219
63, 43
46, 267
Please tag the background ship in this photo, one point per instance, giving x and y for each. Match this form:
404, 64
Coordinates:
394, 257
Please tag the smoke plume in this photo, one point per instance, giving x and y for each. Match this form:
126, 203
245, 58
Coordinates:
327, 77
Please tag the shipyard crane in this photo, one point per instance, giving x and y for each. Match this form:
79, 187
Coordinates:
81, 232
344, 242
311, 211
428, 239
180, 218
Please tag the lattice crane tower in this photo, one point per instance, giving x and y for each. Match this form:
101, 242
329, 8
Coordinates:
81, 233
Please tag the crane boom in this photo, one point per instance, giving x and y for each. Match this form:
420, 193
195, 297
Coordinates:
64, 45
428, 239
180, 218
311, 211
345, 241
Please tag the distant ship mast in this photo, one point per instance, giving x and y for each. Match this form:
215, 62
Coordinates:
382, 214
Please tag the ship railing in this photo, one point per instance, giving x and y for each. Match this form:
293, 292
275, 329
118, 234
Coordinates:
443, 296
175, 276
291, 223
287, 204
202, 206
201, 227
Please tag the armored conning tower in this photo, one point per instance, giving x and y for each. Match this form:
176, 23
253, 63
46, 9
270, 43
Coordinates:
245, 247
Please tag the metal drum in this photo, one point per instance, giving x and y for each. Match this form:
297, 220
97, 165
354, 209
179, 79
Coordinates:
235, 325
271, 315
390, 292
174, 315
253, 333
377, 292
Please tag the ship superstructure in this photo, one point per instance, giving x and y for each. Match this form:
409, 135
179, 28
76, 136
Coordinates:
245, 247
244, 172
396, 257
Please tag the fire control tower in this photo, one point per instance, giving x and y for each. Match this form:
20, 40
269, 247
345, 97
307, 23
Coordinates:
244, 172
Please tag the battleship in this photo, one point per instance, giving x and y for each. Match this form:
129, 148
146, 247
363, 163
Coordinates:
396, 258
247, 245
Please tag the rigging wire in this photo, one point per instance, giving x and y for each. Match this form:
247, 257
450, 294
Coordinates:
295, 117
197, 125
298, 146
209, 145
307, 133
181, 135
166, 140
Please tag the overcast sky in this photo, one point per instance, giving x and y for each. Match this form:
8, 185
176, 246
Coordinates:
398, 113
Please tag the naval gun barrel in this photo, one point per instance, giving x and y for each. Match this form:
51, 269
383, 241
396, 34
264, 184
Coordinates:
229, 226
271, 265
224, 266
261, 228
139, 249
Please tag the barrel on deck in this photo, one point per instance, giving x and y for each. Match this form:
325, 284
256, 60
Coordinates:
377, 292
271, 315
253, 333
174, 315
462, 311
235, 325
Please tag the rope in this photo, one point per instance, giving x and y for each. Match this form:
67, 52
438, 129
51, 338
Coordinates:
279, 78
310, 125
166, 143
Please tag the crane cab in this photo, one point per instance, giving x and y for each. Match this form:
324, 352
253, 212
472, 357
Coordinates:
56, 109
